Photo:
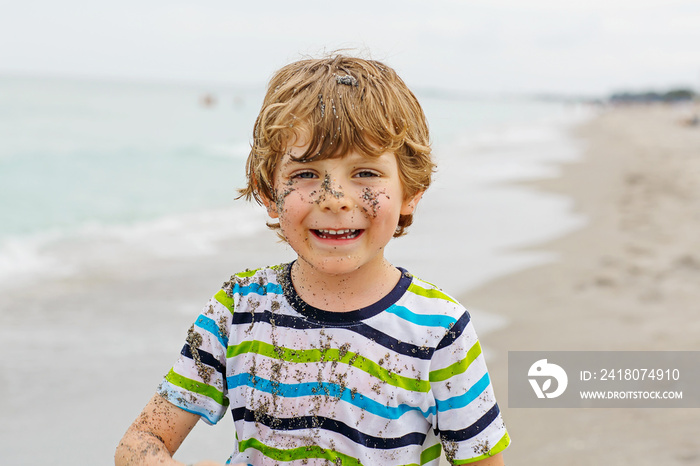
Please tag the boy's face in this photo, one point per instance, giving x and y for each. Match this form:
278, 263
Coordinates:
338, 214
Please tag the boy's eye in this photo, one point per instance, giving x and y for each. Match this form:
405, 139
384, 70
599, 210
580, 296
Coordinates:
303, 175
366, 174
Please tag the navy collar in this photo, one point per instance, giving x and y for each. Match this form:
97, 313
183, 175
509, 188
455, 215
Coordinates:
319, 315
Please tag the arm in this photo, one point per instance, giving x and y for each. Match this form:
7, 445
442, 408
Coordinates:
155, 435
495, 460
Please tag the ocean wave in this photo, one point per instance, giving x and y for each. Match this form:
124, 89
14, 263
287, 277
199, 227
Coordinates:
62, 253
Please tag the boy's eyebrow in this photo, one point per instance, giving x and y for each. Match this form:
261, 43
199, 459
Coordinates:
293, 163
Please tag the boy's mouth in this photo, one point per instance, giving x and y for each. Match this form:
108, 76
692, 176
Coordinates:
337, 234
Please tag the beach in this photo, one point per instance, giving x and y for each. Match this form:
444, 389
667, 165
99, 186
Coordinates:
628, 280
563, 238
563, 215
120, 222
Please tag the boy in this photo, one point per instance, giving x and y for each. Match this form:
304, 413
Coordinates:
338, 357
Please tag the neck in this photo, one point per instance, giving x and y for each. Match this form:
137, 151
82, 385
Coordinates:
347, 291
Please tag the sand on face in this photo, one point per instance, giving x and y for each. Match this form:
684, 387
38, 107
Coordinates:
629, 280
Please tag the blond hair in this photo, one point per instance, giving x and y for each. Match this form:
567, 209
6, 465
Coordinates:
338, 104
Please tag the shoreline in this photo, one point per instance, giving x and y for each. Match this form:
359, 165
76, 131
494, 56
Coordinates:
108, 317
123, 317
626, 280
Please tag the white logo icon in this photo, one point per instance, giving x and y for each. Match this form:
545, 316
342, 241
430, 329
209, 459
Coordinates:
543, 369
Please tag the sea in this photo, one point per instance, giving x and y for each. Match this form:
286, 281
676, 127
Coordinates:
118, 215
115, 166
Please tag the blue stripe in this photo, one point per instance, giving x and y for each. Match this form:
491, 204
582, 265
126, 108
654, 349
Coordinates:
421, 319
257, 289
205, 323
326, 389
173, 394
463, 400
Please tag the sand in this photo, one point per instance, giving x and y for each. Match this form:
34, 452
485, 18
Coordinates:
629, 280
88, 350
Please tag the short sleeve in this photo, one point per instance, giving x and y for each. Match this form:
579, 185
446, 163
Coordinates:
197, 381
468, 419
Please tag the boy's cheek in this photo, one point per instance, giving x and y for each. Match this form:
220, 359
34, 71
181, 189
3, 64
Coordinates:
277, 207
372, 200
292, 211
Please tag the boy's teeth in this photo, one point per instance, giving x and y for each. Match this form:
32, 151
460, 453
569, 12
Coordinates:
335, 232
338, 233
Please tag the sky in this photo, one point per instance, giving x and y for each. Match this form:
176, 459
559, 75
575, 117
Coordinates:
576, 47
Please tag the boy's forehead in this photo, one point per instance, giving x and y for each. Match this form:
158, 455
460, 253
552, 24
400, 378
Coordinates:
295, 153
299, 147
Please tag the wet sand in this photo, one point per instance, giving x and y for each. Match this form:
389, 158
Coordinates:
88, 350
629, 280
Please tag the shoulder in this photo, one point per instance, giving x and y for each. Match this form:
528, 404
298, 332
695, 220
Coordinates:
437, 313
252, 284
257, 281
253, 278
425, 316
424, 295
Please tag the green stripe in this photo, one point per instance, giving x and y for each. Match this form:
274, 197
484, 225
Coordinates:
196, 387
432, 293
224, 299
300, 453
499, 447
431, 453
428, 455
246, 274
227, 300
330, 355
458, 367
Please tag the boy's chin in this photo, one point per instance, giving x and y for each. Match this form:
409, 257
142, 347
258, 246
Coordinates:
338, 266
334, 266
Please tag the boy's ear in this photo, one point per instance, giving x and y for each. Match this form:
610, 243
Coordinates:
271, 207
409, 205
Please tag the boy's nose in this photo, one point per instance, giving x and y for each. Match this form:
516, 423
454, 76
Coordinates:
335, 204
333, 197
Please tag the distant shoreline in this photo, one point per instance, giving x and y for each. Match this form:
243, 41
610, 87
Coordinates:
628, 280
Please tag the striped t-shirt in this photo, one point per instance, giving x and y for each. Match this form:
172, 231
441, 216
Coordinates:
390, 384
